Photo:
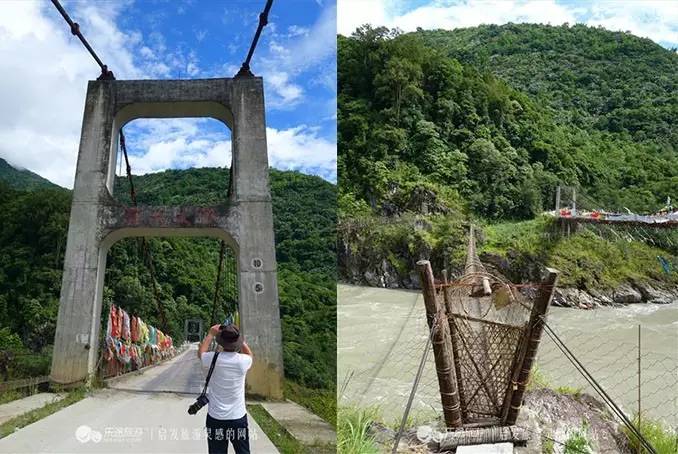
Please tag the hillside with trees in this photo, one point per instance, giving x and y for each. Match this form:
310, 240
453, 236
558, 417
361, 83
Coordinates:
22, 178
438, 128
32, 242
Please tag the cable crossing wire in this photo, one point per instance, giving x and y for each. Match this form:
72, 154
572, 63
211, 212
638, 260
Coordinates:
597, 387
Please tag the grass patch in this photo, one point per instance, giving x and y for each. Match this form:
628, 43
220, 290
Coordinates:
578, 441
322, 402
280, 437
537, 379
10, 395
14, 424
662, 438
547, 445
590, 258
353, 435
569, 391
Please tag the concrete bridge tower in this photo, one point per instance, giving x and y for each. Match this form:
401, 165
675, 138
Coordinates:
97, 220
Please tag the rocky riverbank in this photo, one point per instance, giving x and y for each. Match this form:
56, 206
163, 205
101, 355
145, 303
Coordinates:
384, 273
630, 293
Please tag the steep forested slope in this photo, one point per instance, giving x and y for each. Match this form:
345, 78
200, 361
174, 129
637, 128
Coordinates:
409, 112
596, 79
22, 179
440, 127
32, 242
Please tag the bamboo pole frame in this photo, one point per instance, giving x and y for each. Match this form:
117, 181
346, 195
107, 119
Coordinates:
442, 347
528, 353
455, 347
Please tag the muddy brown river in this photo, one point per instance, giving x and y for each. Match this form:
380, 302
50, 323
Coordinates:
382, 334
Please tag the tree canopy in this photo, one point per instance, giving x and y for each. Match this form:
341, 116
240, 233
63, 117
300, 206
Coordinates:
491, 119
33, 239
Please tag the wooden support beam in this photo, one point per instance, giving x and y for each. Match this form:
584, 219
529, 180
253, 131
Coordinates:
513, 434
442, 347
455, 347
528, 352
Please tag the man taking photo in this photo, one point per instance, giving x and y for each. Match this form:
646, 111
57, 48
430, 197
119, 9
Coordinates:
226, 413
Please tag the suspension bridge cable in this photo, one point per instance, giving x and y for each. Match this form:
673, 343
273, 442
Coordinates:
106, 74
145, 247
263, 21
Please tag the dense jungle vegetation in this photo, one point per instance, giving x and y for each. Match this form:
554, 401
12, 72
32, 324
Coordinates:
439, 127
32, 243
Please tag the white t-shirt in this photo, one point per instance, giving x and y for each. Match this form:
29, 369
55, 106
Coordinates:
226, 390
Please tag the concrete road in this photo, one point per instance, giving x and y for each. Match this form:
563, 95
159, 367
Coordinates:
182, 375
131, 417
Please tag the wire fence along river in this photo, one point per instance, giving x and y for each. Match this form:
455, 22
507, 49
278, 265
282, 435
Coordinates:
382, 335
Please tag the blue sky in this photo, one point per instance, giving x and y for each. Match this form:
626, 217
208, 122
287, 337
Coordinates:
654, 19
166, 39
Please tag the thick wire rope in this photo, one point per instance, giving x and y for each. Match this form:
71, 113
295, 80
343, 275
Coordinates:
415, 385
596, 386
106, 74
146, 249
263, 21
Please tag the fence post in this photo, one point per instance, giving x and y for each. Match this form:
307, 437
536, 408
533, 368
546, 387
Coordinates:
455, 347
442, 347
535, 328
640, 449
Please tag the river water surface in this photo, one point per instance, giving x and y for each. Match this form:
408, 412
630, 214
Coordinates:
382, 334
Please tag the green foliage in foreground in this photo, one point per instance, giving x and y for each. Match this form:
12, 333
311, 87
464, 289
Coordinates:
662, 438
353, 435
33, 239
14, 424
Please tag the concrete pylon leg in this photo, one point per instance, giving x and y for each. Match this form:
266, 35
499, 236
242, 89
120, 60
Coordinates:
76, 346
259, 307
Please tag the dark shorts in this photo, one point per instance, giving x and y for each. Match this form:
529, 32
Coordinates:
221, 431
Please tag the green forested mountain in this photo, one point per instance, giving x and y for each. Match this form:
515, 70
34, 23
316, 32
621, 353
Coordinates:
437, 128
32, 242
494, 131
593, 78
22, 179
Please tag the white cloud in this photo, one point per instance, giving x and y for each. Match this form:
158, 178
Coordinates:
657, 20
301, 148
294, 54
354, 13
43, 80
184, 144
654, 19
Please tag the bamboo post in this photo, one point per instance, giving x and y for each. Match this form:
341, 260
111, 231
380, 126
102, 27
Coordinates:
442, 347
528, 354
455, 347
